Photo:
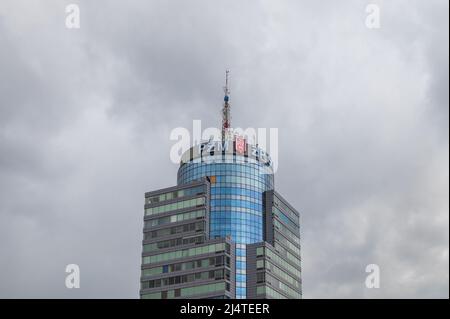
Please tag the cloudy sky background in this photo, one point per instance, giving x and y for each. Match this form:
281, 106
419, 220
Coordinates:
85, 118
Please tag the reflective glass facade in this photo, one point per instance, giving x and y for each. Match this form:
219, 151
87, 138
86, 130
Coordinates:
236, 204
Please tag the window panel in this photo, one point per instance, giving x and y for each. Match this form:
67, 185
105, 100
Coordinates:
174, 206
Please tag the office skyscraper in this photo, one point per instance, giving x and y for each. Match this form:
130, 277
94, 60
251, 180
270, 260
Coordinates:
223, 231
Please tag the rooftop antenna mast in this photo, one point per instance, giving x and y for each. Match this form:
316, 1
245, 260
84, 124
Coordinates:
226, 116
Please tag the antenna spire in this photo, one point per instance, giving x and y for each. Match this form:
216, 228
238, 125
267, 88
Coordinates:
226, 116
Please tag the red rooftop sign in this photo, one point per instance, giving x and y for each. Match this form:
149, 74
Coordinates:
240, 145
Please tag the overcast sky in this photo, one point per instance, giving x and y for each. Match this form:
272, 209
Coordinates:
362, 114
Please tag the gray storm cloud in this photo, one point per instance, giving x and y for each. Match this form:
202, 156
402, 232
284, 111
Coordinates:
362, 114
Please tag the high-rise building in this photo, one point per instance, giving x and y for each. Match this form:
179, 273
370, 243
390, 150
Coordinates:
222, 232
